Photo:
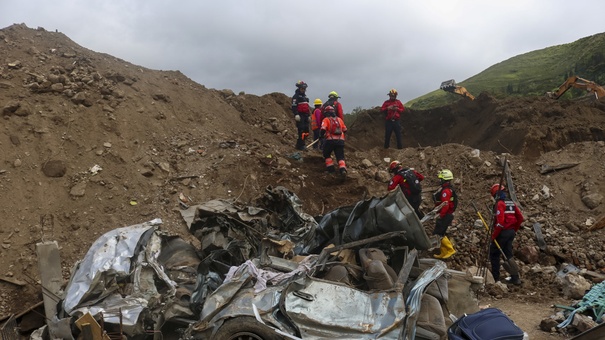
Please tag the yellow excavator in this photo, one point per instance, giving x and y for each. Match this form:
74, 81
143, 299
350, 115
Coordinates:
451, 86
579, 83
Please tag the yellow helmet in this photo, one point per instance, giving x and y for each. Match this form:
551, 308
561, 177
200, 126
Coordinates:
393, 92
445, 175
317, 102
333, 94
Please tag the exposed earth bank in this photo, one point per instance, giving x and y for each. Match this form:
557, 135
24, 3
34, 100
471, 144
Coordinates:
90, 142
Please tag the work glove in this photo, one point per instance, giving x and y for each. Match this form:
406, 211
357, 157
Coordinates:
322, 133
393, 107
297, 118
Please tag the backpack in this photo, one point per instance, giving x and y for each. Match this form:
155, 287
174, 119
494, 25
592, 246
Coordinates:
335, 128
454, 197
410, 178
486, 324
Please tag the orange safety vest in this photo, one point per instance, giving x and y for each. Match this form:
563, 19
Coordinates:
331, 128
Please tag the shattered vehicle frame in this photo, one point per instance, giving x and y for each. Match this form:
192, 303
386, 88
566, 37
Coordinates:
267, 271
256, 302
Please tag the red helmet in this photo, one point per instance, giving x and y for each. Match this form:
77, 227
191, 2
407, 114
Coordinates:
495, 188
394, 166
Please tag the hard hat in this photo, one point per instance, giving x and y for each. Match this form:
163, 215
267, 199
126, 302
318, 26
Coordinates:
393, 92
329, 108
333, 94
445, 175
301, 84
394, 166
317, 102
495, 188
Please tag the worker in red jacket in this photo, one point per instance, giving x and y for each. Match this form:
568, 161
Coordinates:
335, 103
445, 194
507, 221
302, 113
392, 108
408, 180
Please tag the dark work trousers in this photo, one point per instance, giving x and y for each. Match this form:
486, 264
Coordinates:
319, 144
302, 127
442, 224
334, 145
415, 201
505, 240
391, 126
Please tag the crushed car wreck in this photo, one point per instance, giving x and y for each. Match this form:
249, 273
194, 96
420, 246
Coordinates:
267, 271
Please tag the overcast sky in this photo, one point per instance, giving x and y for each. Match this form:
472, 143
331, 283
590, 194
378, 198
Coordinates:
360, 49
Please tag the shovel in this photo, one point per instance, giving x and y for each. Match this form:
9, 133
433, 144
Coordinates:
509, 264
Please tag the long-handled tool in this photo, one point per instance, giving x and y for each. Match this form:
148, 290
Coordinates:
509, 263
310, 145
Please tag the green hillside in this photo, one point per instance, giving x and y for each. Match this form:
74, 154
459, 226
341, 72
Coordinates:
531, 74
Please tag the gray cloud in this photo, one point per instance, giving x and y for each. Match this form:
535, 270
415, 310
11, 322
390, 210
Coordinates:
360, 49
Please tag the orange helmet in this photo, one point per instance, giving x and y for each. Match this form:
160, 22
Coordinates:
495, 188
394, 166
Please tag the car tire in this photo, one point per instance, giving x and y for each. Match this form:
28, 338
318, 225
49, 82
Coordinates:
245, 328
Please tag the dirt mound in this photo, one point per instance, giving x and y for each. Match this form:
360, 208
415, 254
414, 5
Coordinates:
91, 142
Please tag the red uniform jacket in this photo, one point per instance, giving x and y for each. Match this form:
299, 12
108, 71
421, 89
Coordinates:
445, 195
507, 216
395, 113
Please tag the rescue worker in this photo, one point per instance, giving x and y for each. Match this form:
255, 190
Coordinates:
333, 132
408, 180
301, 111
316, 119
446, 194
507, 221
392, 109
333, 102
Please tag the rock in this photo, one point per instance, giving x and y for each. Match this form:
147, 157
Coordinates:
592, 201
548, 325
15, 140
15, 64
11, 107
54, 168
382, 176
529, 254
366, 163
78, 190
575, 286
57, 87
23, 110
583, 322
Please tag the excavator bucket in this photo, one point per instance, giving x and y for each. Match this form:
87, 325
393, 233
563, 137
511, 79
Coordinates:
448, 85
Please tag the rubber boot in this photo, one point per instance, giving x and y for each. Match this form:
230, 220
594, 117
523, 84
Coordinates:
441, 249
447, 249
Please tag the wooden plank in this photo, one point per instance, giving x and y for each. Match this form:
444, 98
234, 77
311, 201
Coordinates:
49, 265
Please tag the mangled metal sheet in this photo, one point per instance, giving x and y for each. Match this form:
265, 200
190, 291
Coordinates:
108, 258
128, 278
370, 218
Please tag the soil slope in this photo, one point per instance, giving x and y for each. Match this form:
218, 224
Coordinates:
90, 142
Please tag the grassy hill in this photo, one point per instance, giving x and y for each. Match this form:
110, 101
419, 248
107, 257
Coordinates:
532, 73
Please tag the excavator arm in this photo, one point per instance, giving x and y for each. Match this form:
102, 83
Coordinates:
451, 86
579, 83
